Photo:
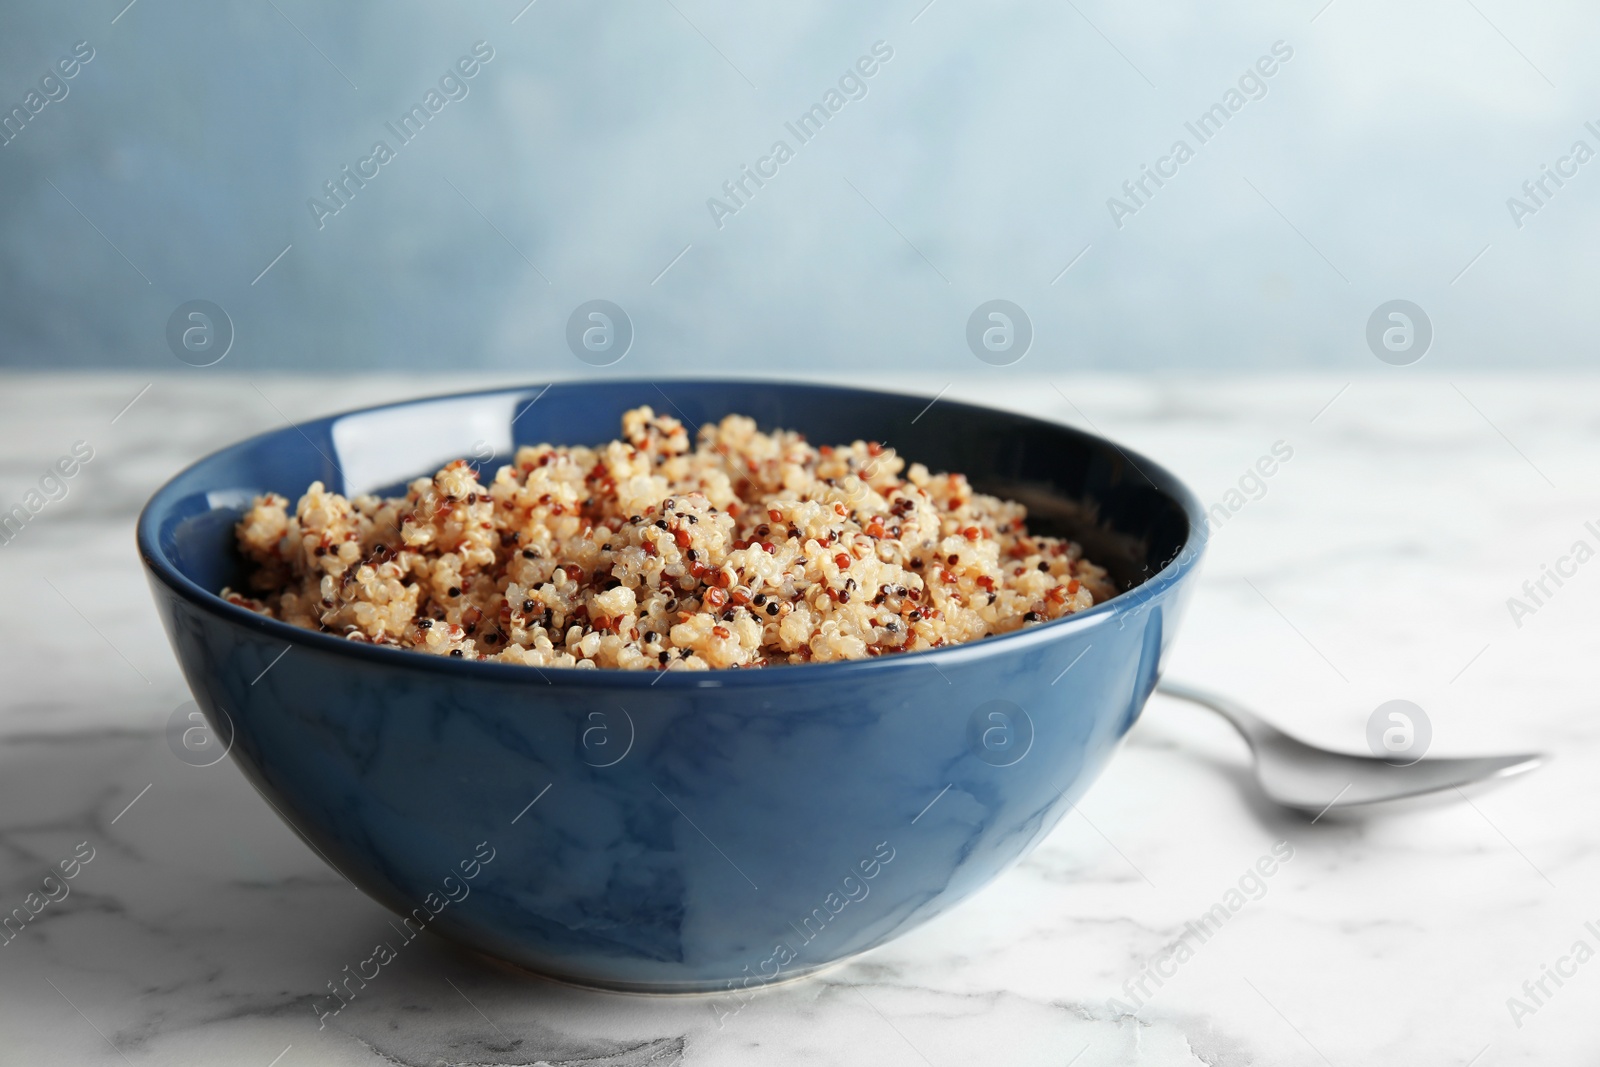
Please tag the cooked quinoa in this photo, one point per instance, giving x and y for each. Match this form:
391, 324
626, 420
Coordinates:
648, 553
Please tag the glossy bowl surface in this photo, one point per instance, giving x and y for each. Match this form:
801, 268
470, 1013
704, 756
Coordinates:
678, 831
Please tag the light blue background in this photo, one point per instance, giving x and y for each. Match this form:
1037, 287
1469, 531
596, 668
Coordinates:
981, 160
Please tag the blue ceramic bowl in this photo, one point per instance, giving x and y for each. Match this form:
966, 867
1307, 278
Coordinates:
678, 831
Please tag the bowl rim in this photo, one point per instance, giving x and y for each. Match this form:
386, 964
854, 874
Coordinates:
1129, 602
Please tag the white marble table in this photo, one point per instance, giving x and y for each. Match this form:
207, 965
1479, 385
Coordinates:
1377, 565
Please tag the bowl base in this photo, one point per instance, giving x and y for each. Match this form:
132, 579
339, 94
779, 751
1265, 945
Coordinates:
709, 988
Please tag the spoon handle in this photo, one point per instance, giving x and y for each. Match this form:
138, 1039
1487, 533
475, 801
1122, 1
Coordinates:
1250, 726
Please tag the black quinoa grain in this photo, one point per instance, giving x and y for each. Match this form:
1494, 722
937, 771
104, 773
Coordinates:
679, 589
455, 652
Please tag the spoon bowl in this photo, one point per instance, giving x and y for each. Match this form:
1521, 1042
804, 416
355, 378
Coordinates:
1315, 780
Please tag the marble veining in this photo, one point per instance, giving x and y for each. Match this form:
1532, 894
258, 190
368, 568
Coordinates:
1377, 564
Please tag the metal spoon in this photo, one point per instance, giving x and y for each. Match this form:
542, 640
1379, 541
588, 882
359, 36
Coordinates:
1314, 780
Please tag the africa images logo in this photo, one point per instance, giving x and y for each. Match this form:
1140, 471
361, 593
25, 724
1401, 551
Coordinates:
453, 85
852, 85
1252, 85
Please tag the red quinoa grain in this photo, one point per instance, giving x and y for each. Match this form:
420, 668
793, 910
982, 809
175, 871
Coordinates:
593, 545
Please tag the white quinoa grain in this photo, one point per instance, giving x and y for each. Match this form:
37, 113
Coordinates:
746, 549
